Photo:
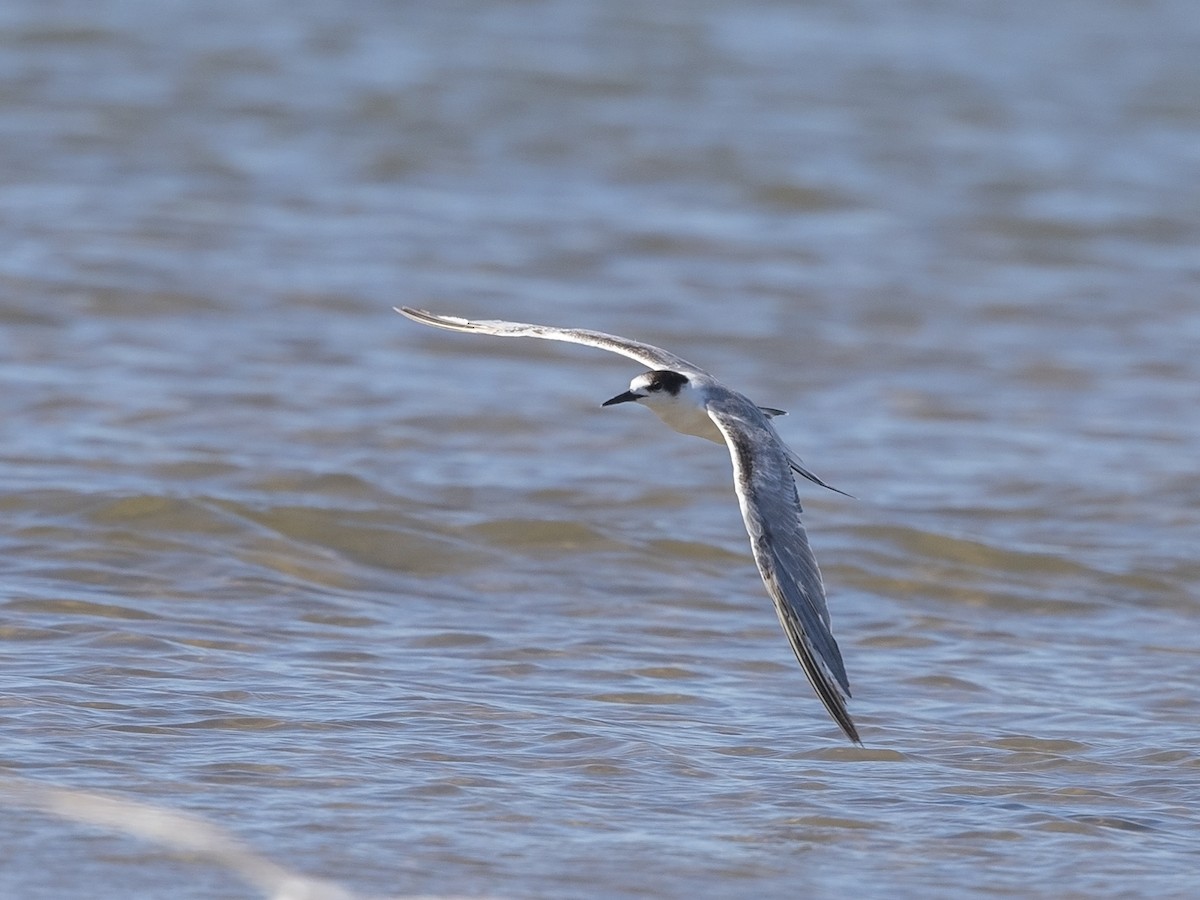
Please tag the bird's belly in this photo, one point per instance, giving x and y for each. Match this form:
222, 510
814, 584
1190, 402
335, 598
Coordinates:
691, 421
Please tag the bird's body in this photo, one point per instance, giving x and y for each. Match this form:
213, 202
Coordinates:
691, 401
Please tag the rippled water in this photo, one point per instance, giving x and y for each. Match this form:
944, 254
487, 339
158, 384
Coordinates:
407, 611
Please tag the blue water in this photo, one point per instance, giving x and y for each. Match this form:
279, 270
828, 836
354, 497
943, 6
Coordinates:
407, 611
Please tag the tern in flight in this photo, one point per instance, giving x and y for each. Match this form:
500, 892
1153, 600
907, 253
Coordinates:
691, 401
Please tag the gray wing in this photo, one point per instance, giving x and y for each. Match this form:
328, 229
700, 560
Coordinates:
648, 355
766, 492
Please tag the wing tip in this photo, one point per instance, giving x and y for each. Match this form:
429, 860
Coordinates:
829, 682
425, 317
835, 705
850, 730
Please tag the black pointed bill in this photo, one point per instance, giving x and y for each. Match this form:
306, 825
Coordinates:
623, 398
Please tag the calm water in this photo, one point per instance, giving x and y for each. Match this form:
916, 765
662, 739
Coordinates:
407, 611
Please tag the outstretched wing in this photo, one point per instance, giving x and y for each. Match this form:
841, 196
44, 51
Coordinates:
770, 507
647, 354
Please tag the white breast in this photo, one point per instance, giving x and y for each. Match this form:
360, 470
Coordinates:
688, 419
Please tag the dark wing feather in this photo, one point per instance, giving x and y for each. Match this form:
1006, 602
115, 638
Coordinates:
771, 510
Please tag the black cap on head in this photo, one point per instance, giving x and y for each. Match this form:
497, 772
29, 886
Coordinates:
666, 380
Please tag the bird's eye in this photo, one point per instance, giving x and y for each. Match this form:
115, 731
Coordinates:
656, 386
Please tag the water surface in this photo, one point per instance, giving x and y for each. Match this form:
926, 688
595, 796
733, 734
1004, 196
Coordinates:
407, 611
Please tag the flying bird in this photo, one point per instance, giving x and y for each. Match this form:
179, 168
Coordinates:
692, 401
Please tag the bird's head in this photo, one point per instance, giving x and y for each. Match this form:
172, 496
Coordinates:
660, 388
